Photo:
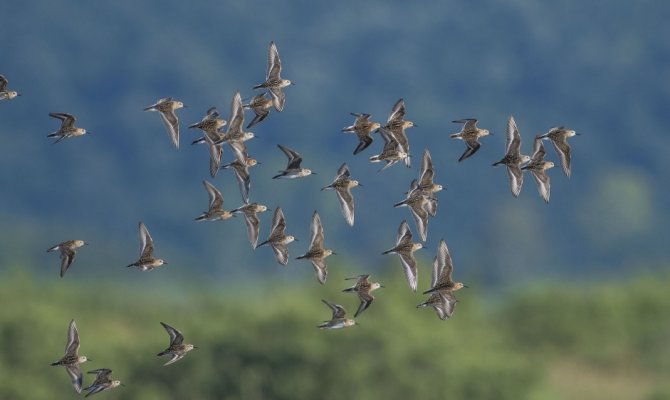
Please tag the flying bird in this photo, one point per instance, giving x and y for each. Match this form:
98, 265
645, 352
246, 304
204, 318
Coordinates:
215, 212
317, 253
102, 381
342, 185
558, 137
363, 288
538, 168
166, 107
362, 127
442, 298
4, 93
273, 81
278, 239
67, 129
146, 262
251, 220
67, 251
470, 134
392, 151
396, 124
405, 249
293, 169
513, 158
338, 320
261, 108
241, 167
177, 348
71, 359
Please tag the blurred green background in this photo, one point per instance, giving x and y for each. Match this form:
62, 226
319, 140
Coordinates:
566, 300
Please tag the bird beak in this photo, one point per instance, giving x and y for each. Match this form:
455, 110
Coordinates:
85, 243
256, 136
382, 286
578, 134
424, 247
333, 253
165, 262
292, 83
466, 286
314, 173
88, 359
18, 94
258, 163
415, 125
360, 184
295, 240
195, 347
123, 385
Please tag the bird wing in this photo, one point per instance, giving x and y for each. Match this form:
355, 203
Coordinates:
343, 171
66, 258
469, 124
316, 232
563, 150
409, 266
338, 310
278, 222
403, 232
274, 63
215, 197
72, 345
3, 83
294, 158
252, 222
281, 252
472, 147
320, 269
543, 184
444, 264
236, 120
243, 182
346, 200
146, 242
427, 172
366, 300
538, 150
75, 376
176, 338
515, 176
420, 217
171, 123
278, 98
364, 142
513, 142
398, 111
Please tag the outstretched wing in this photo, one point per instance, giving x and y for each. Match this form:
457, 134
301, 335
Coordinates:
72, 345
294, 159
146, 242
274, 63
176, 338
215, 197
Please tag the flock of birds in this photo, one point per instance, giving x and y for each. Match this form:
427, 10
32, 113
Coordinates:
420, 200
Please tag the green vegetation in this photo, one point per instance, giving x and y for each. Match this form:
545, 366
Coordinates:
544, 342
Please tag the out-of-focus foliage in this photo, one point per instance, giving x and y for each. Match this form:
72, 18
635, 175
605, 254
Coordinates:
262, 342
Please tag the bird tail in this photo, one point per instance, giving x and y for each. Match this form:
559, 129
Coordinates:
455, 135
402, 203
431, 290
351, 289
201, 218
55, 363
132, 265
53, 134
258, 86
53, 249
495, 164
262, 244
150, 108
424, 304
375, 158
348, 129
162, 353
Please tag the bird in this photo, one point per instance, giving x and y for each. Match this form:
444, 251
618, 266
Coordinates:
337, 321
71, 359
278, 239
538, 168
261, 108
67, 129
363, 288
177, 349
442, 303
362, 127
241, 167
513, 158
342, 185
251, 219
317, 253
405, 249
396, 124
444, 267
146, 262
273, 81
210, 125
215, 211
558, 136
235, 133
67, 253
470, 134
392, 151
418, 205
293, 169
102, 381
166, 108
425, 183
4, 93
